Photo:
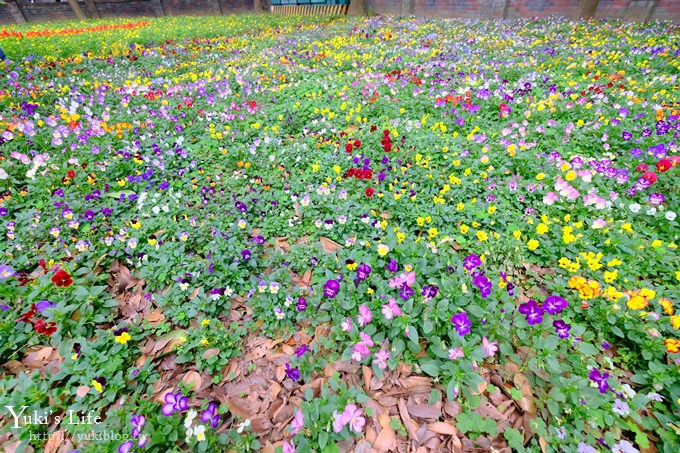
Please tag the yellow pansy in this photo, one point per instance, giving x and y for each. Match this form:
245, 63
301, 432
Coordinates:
533, 244
542, 228
482, 236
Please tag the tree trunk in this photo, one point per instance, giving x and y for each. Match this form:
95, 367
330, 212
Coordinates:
77, 9
587, 8
257, 6
93, 7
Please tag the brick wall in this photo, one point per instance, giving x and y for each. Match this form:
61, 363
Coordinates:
626, 9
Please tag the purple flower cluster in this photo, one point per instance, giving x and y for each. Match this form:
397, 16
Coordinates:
211, 415
175, 402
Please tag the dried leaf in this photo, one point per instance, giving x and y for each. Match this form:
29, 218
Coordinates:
82, 391
543, 443
212, 352
194, 293
38, 359
406, 418
329, 245
367, 374
155, 316
192, 379
54, 441
362, 447
426, 411
385, 439
527, 401
443, 428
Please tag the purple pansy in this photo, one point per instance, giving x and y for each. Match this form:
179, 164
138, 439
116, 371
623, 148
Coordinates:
533, 312
175, 402
461, 323
554, 304
600, 379
331, 288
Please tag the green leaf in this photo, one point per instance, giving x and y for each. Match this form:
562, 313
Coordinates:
587, 348
431, 368
435, 395
428, 327
515, 439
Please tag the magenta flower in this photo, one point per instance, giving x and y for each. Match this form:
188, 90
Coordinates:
533, 312
490, 348
289, 446
600, 379
292, 373
364, 316
360, 350
407, 278
363, 271
331, 288
554, 304
392, 266
461, 323
471, 261
381, 359
561, 328
456, 353
126, 447
298, 423
174, 402
391, 309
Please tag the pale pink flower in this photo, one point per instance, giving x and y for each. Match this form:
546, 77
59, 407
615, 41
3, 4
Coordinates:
338, 422
346, 325
353, 417
365, 316
456, 353
366, 339
490, 348
381, 359
289, 446
391, 309
550, 198
298, 423
599, 223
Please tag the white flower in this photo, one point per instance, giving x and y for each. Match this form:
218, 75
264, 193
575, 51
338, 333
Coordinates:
651, 210
243, 425
670, 215
628, 391
191, 414
3, 174
653, 396
190, 433
634, 207
199, 431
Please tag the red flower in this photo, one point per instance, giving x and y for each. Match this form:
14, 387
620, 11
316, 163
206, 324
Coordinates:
664, 165
41, 263
369, 192
642, 167
368, 174
45, 328
348, 148
71, 174
357, 144
650, 176
62, 278
27, 317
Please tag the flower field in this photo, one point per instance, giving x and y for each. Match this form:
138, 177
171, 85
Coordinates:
340, 234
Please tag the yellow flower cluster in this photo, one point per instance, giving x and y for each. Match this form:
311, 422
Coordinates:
588, 289
640, 299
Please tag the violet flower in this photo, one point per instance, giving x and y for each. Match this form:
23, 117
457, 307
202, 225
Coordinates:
175, 402
461, 323
600, 379
533, 312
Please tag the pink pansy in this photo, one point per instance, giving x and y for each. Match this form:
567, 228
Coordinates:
346, 325
550, 198
391, 309
338, 422
599, 223
353, 417
381, 359
366, 339
360, 351
490, 348
364, 315
456, 353
298, 423
289, 447
405, 277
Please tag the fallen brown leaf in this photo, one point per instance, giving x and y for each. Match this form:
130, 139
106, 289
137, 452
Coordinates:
443, 428
385, 440
527, 401
54, 441
82, 391
329, 245
192, 379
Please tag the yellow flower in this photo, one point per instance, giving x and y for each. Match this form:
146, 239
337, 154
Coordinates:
352, 266
432, 233
610, 276
517, 234
657, 243
573, 267
205, 342
420, 221
627, 227
400, 237
564, 262
464, 228
614, 262
533, 244
491, 209
482, 236
542, 228
97, 386
677, 275
672, 345
123, 338
667, 305
460, 206
637, 302
383, 249
675, 321
540, 176
570, 176
205, 322
648, 293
